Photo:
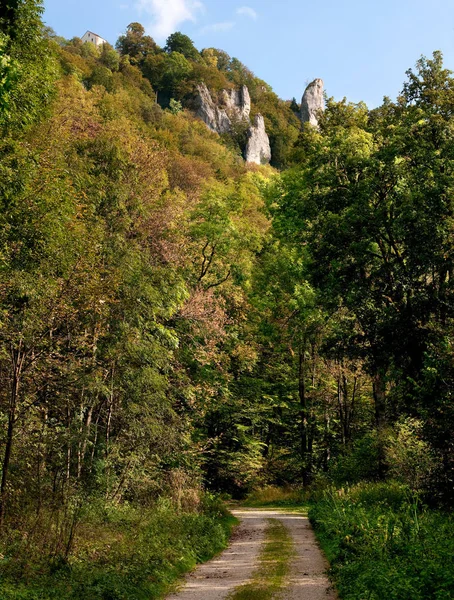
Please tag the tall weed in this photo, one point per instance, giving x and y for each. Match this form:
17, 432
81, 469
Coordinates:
382, 543
121, 553
271, 495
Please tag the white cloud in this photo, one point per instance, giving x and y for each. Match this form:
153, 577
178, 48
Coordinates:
167, 15
217, 27
247, 11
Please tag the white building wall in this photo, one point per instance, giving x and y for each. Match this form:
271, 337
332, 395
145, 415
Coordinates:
93, 38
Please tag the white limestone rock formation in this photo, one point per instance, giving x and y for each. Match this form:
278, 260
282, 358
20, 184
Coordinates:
206, 109
237, 102
258, 149
312, 102
233, 105
224, 124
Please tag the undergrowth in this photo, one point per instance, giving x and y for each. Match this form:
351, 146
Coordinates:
383, 543
121, 553
274, 496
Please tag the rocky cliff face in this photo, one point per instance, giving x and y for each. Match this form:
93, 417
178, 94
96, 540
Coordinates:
234, 105
237, 102
258, 149
216, 118
312, 102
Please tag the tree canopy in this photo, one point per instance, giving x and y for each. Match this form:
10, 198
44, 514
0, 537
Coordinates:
175, 322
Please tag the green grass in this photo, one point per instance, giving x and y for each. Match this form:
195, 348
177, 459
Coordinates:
382, 543
121, 553
272, 496
274, 563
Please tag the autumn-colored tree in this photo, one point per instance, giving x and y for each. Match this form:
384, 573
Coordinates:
135, 44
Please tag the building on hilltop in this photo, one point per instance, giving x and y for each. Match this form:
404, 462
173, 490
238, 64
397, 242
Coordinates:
94, 38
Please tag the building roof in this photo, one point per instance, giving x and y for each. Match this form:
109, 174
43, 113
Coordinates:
92, 33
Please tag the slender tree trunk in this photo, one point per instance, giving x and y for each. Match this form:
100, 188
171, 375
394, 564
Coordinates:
352, 407
379, 390
5, 465
83, 442
41, 461
304, 421
326, 451
346, 421
95, 438
340, 404
68, 448
108, 426
17, 361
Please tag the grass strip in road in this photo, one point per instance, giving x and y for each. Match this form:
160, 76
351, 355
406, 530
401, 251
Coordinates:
274, 564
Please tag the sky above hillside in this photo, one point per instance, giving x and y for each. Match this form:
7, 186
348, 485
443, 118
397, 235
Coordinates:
361, 49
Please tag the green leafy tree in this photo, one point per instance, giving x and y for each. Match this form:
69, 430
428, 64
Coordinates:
175, 72
294, 106
371, 203
7, 76
109, 57
27, 68
175, 106
135, 44
181, 43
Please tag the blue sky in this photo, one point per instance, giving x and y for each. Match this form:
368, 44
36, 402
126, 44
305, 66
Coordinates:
360, 49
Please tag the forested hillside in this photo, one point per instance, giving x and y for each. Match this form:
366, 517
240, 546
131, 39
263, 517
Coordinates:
176, 322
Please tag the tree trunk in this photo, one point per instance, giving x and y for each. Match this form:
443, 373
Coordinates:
17, 361
68, 450
304, 421
379, 389
86, 426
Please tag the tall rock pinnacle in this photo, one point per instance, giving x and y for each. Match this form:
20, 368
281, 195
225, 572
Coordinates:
258, 149
312, 102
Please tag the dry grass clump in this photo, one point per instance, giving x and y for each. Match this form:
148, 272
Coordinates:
271, 495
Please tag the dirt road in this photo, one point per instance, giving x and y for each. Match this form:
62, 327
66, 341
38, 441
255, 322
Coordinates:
218, 578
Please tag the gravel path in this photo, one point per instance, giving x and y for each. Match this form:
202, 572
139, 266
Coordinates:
215, 579
308, 579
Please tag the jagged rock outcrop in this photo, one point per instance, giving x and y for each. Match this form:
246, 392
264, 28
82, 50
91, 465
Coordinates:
312, 102
237, 102
216, 118
258, 149
233, 105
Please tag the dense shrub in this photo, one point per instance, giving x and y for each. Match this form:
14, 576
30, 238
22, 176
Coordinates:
359, 463
121, 553
382, 543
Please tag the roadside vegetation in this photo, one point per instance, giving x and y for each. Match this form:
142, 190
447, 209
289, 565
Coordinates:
383, 542
271, 495
381, 538
120, 552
